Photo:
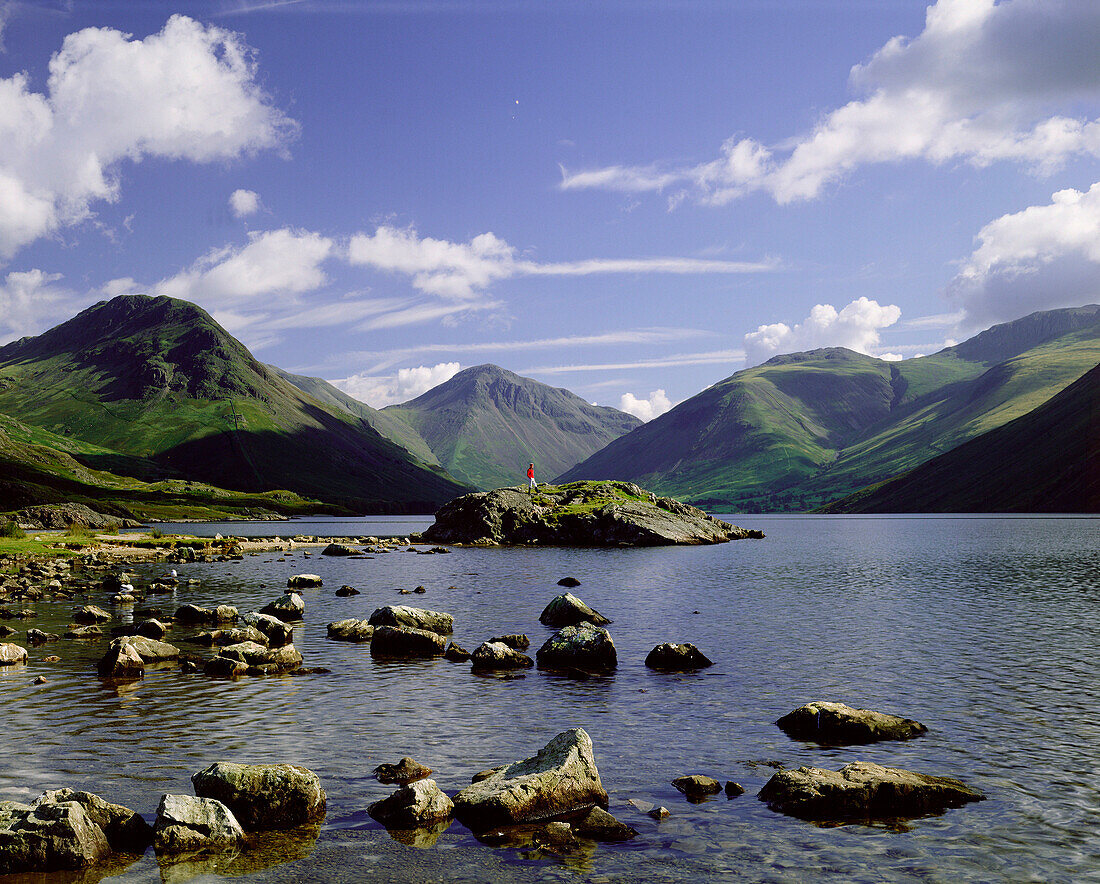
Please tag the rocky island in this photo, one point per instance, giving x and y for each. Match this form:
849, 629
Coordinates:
593, 514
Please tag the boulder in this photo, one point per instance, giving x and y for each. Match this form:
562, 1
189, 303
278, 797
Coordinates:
287, 607
186, 824
671, 657
37, 637
152, 651
456, 653
126, 830
557, 836
568, 610
345, 590
277, 632
269, 661
338, 549
91, 614
515, 641
122, 661
862, 791
569, 582
225, 667
11, 654
697, 787
197, 614
585, 647
734, 789
418, 804
406, 771
415, 618
351, 630
152, 628
222, 637
497, 655
264, 796
404, 643
599, 825
300, 581
49, 837
85, 632
562, 778
835, 724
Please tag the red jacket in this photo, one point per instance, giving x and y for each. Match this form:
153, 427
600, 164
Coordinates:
530, 472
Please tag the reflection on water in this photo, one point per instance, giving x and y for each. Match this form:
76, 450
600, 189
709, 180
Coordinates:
984, 629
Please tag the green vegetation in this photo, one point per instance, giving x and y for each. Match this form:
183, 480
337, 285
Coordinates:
10, 530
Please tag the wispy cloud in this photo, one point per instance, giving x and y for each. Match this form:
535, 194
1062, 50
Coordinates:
713, 357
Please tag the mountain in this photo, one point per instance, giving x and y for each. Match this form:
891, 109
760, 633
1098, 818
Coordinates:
1047, 461
486, 424
165, 392
807, 428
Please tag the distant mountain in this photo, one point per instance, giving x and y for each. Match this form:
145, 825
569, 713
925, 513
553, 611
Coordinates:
1047, 461
486, 424
804, 429
167, 392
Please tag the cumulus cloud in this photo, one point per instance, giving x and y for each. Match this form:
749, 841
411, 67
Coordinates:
855, 327
1041, 258
187, 92
407, 384
28, 300
243, 203
983, 82
656, 404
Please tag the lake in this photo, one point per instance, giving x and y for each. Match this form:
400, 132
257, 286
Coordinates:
985, 629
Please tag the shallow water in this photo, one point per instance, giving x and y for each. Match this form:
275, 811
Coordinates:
985, 629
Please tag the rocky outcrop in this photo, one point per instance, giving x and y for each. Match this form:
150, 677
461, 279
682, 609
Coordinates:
414, 618
64, 515
671, 657
288, 607
862, 791
585, 647
489, 656
350, 630
562, 778
835, 724
568, 610
264, 796
577, 514
418, 804
186, 824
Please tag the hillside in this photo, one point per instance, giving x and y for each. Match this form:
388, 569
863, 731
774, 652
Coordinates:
165, 392
1047, 461
804, 429
486, 424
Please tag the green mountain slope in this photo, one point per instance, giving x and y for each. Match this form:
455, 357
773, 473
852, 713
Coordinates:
1047, 461
486, 424
801, 430
165, 388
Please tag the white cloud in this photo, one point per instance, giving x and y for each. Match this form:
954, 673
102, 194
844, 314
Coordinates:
856, 327
243, 203
656, 404
407, 384
186, 92
677, 360
1041, 258
28, 301
983, 82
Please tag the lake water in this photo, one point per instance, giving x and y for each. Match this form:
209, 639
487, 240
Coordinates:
985, 629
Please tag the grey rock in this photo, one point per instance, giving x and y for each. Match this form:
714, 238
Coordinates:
557, 836
585, 647
277, 632
862, 791
225, 667
288, 607
671, 657
401, 642
152, 628
836, 724
300, 581
85, 632
515, 641
122, 661
37, 637
350, 630
415, 618
187, 824
599, 825
560, 779
734, 789
418, 804
49, 837
497, 655
407, 770
697, 787
126, 830
568, 610
264, 796
153, 651
338, 549
91, 614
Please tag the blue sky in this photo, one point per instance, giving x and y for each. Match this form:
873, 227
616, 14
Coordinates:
632, 200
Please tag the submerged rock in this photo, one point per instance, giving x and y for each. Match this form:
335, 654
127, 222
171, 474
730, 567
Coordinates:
836, 724
415, 618
599, 825
264, 796
456, 653
577, 514
585, 647
346, 590
671, 657
568, 610
187, 824
418, 804
561, 778
862, 791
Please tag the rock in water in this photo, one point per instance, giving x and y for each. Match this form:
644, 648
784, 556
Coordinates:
585, 647
187, 824
337, 549
126, 831
264, 796
569, 582
697, 787
304, 580
568, 610
835, 724
410, 807
152, 651
862, 791
277, 632
560, 779
287, 607
578, 514
122, 661
414, 618
10, 654
91, 614
406, 771
346, 590
400, 642
351, 630
671, 657
496, 655
599, 825
48, 837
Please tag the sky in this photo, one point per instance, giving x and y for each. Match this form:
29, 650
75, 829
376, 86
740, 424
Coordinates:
631, 199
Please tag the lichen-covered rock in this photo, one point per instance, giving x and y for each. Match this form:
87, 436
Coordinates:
197, 614
577, 514
568, 610
401, 642
835, 724
264, 796
287, 607
11, 654
350, 630
863, 791
48, 837
670, 657
407, 770
125, 829
225, 667
414, 618
496, 655
584, 647
560, 779
418, 804
302, 581
187, 824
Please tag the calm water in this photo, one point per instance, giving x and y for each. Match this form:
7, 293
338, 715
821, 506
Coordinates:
984, 629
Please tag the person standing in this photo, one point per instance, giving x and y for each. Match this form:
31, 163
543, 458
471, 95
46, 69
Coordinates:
531, 484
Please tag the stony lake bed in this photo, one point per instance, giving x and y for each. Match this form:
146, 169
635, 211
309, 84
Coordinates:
983, 629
